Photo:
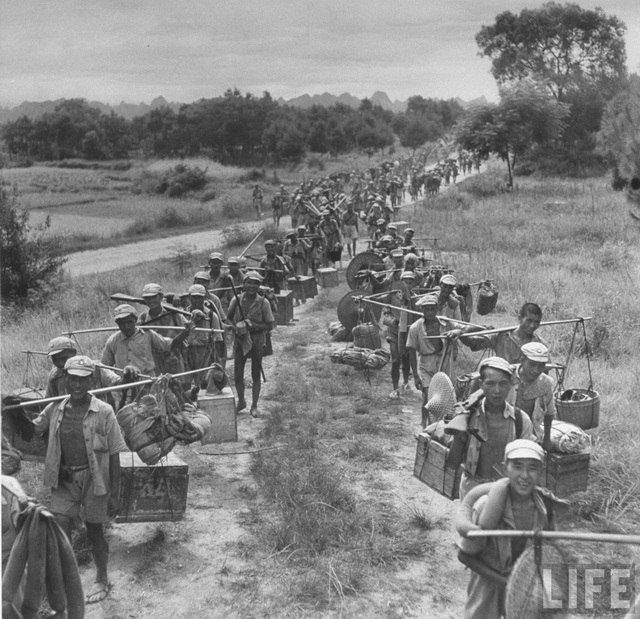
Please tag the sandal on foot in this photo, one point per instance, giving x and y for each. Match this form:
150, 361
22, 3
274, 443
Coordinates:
98, 592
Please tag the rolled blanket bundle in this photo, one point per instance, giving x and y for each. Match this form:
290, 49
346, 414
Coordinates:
568, 438
362, 358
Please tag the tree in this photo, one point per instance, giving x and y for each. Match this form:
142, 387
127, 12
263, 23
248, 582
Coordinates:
28, 259
619, 137
525, 116
415, 133
565, 47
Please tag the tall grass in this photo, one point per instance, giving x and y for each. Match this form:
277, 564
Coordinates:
570, 247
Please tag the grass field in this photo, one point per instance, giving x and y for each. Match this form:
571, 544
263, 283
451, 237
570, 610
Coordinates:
330, 537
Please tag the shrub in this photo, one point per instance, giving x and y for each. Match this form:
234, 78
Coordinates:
231, 210
175, 182
251, 176
315, 163
170, 218
208, 195
29, 259
484, 185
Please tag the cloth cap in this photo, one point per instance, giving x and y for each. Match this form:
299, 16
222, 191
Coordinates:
151, 290
198, 290
535, 351
269, 242
397, 253
216, 255
408, 275
233, 260
411, 258
122, 311
407, 230
253, 275
380, 222
80, 365
202, 275
497, 363
58, 344
392, 227
290, 233
302, 228
523, 448
428, 299
448, 279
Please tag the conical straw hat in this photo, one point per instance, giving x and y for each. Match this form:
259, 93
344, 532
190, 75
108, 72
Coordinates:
442, 397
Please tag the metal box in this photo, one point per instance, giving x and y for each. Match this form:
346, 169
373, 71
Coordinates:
305, 287
284, 313
327, 278
156, 493
221, 409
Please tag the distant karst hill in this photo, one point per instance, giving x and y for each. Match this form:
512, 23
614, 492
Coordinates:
34, 109
377, 98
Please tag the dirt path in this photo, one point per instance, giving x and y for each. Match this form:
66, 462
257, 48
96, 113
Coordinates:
204, 565
112, 258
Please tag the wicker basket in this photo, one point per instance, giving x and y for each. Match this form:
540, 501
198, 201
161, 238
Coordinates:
367, 336
582, 413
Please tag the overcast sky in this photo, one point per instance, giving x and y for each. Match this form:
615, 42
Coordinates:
136, 50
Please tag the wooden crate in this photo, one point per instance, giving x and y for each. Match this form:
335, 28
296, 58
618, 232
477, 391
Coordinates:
565, 474
327, 278
305, 287
429, 467
284, 313
155, 493
221, 409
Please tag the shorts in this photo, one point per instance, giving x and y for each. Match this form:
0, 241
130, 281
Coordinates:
350, 232
67, 498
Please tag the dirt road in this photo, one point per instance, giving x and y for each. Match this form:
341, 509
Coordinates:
211, 565
111, 258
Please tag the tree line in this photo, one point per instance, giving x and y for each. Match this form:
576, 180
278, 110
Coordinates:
235, 128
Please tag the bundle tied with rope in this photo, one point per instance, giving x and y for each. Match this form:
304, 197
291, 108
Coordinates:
362, 358
155, 422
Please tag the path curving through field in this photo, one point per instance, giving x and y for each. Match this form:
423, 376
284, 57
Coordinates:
111, 258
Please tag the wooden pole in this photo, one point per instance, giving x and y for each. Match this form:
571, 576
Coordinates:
59, 398
542, 324
246, 249
144, 328
572, 535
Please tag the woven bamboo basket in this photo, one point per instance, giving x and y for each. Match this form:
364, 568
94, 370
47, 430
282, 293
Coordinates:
582, 413
367, 335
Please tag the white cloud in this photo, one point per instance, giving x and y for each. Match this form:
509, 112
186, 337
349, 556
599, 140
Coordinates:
138, 49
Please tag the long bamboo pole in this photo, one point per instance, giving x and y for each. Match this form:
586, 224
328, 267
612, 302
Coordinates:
139, 383
542, 324
143, 327
246, 249
572, 535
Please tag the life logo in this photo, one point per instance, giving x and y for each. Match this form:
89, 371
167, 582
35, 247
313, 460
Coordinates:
573, 589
